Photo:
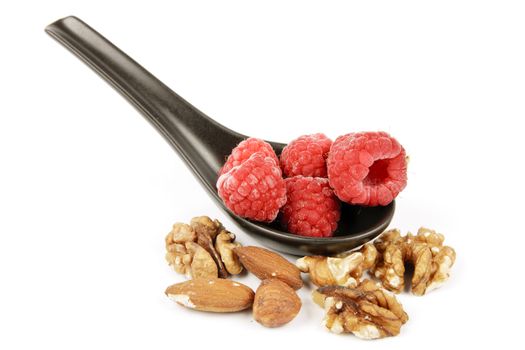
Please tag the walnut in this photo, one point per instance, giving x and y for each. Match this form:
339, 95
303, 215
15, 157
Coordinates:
425, 251
180, 233
179, 258
205, 240
326, 271
224, 245
368, 311
345, 270
194, 250
369, 252
203, 224
202, 264
176, 253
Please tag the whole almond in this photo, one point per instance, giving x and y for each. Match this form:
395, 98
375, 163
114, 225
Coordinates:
266, 264
212, 294
275, 303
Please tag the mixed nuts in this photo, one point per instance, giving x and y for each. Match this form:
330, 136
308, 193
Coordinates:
207, 253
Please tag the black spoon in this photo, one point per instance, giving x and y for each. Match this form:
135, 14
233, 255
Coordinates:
203, 143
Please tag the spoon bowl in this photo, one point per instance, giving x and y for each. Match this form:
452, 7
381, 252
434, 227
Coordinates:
203, 143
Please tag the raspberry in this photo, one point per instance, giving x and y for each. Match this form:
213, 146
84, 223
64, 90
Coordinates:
254, 189
244, 150
367, 168
311, 209
306, 156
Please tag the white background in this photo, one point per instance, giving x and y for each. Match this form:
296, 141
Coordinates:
88, 189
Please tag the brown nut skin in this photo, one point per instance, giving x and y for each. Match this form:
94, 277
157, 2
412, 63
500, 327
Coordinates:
224, 244
275, 303
367, 311
212, 295
205, 225
266, 264
185, 256
425, 251
206, 242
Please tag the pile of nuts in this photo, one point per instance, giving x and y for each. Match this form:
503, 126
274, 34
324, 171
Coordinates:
366, 308
207, 253
386, 259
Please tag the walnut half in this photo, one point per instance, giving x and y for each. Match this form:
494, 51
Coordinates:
202, 249
345, 270
224, 244
425, 251
368, 311
327, 271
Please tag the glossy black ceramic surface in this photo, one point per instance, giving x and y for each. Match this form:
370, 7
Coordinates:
203, 143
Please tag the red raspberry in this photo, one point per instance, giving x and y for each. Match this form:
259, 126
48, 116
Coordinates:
367, 168
244, 150
254, 189
306, 156
311, 209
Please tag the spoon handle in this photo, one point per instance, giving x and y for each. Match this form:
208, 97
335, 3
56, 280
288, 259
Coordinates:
199, 140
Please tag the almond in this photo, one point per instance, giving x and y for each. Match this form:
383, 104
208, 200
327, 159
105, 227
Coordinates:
275, 304
212, 294
266, 264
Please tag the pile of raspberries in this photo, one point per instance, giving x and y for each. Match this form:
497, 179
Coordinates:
311, 178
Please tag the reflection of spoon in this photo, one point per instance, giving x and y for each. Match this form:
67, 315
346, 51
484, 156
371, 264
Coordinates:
202, 142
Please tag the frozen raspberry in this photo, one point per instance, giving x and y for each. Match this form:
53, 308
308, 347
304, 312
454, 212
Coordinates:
254, 189
311, 208
244, 150
367, 168
306, 156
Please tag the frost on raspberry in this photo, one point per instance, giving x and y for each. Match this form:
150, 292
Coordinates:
254, 189
311, 209
367, 168
306, 156
244, 150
